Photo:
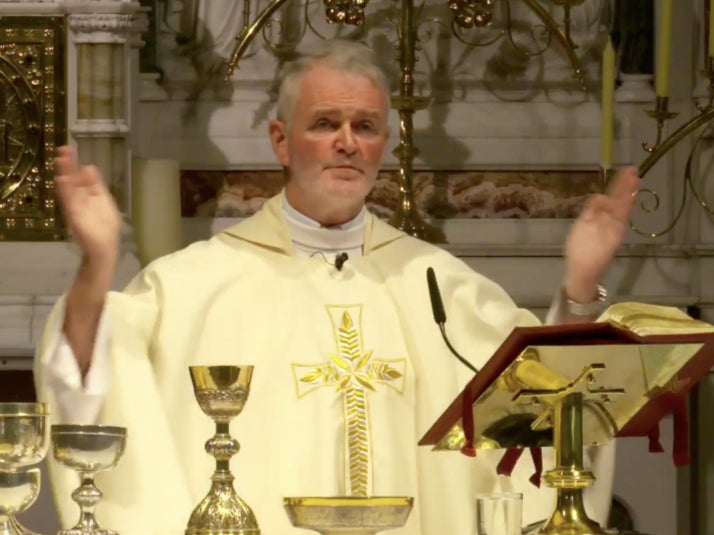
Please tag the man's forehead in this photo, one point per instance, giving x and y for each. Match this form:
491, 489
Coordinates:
367, 112
324, 90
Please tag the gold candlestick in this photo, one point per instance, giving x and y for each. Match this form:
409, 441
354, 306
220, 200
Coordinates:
660, 114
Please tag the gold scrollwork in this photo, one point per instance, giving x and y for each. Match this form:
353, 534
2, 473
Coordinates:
470, 13
345, 11
32, 125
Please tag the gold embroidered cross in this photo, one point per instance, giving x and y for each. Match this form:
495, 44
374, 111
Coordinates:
352, 372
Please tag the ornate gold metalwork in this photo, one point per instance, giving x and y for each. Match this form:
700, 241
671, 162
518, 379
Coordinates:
563, 37
662, 147
32, 125
660, 114
352, 372
244, 38
345, 11
616, 381
687, 184
536, 394
221, 392
470, 13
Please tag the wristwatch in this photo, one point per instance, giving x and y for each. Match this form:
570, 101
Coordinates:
593, 308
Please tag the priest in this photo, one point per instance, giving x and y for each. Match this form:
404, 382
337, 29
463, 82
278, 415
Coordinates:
329, 304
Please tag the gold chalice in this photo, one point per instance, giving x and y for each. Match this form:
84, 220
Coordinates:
23, 443
88, 449
348, 515
221, 392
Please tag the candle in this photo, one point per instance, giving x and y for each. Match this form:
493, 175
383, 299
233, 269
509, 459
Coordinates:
664, 48
155, 207
711, 29
608, 105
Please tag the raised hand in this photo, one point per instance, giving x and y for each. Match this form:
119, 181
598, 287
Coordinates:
88, 207
95, 222
597, 234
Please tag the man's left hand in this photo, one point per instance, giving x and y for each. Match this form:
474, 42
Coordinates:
597, 234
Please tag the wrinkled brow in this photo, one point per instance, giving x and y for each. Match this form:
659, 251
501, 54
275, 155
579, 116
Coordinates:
359, 114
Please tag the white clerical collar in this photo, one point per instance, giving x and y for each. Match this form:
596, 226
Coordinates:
358, 220
308, 235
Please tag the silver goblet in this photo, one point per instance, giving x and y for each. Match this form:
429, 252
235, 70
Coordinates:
88, 449
18, 490
23, 443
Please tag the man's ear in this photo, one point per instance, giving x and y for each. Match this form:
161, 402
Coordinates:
278, 132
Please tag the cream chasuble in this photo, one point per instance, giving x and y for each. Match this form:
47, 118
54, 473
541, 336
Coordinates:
350, 371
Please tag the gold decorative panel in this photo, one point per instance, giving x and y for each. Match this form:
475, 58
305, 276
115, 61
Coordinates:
32, 125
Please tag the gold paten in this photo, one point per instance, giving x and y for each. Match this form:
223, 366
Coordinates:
32, 125
348, 515
571, 396
221, 392
352, 371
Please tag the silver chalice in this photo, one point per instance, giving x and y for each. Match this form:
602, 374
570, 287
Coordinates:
87, 449
23, 443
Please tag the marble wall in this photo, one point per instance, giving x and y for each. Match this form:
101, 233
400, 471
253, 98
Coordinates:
439, 194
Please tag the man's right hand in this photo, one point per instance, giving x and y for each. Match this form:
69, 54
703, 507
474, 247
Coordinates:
89, 208
95, 222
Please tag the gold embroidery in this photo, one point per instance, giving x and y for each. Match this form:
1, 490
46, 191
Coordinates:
352, 372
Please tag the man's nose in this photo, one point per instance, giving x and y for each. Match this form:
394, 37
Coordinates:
346, 140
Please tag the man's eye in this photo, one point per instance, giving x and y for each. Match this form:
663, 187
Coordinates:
324, 124
366, 126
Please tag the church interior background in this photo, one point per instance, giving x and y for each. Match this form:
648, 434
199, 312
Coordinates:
508, 148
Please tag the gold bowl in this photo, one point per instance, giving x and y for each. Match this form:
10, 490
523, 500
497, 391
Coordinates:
88, 448
221, 391
23, 434
348, 515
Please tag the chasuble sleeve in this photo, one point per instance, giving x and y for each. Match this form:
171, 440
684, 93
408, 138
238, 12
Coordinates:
78, 400
149, 476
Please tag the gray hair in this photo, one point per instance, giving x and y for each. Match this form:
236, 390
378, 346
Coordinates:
346, 56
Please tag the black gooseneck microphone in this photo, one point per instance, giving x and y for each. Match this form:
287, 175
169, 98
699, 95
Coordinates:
437, 307
340, 260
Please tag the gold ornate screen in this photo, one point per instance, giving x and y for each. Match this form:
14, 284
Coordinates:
32, 125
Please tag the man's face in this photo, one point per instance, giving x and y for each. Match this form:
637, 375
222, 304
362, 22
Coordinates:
333, 148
